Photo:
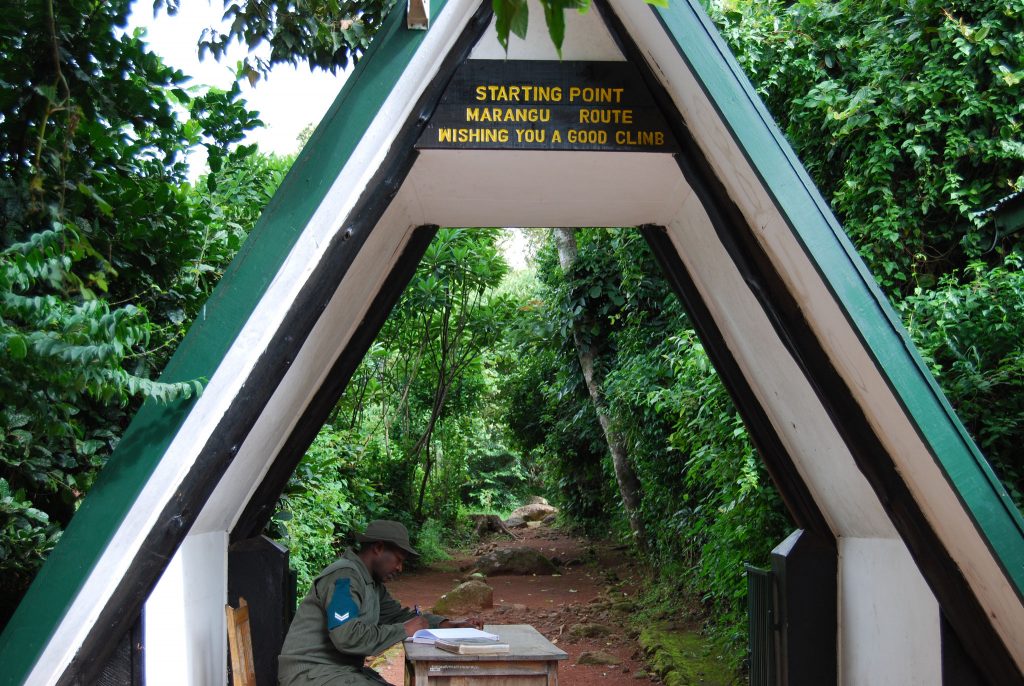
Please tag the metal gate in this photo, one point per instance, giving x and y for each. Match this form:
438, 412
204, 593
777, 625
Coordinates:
761, 626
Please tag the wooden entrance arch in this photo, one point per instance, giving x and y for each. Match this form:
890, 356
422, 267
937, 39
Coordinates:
864, 448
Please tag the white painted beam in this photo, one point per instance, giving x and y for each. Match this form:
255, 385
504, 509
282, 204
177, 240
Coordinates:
888, 618
185, 628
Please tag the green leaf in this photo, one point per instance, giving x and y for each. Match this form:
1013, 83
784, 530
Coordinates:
520, 18
502, 20
18, 347
47, 91
101, 204
511, 16
555, 16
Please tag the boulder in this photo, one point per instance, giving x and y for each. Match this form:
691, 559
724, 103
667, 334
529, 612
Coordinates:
515, 561
515, 522
467, 597
534, 512
597, 657
589, 630
537, 500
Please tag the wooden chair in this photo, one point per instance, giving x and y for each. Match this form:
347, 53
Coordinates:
243, 671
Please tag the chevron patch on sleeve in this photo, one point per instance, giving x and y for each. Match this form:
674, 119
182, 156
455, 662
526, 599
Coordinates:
343, 606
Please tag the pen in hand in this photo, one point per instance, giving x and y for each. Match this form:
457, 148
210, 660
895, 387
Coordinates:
416, 622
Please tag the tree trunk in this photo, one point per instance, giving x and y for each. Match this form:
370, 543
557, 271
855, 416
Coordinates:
629, 484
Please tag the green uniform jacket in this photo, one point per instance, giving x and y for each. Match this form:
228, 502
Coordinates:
344, 617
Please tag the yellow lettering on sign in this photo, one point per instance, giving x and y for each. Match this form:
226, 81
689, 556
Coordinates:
602, 116
587, 136
452, 135
530, 135
518, 93
501, 114
556, 136
598, 95
640, 138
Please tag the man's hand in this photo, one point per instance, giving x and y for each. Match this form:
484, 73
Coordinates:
471, 623
415, 624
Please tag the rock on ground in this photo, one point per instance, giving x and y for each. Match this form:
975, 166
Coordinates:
515, 522
515, 561
597, 657
467, 597
534, 512
589, 630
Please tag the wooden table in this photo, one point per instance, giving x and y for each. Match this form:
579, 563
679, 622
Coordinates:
532, 660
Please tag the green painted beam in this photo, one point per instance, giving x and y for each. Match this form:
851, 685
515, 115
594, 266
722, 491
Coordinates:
811, 219
207, 342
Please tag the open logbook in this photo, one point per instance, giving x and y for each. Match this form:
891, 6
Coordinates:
432, 635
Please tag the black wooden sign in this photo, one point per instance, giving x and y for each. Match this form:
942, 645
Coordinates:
548, 105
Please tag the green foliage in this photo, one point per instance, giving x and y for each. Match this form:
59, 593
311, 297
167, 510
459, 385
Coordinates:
326, 502
431, 541
436, 337
328, 34
907, 115
496, 479
106, 252
729, 513
512, 17
970, 329
416, 423
548, 406
322, 33
707, 505
26, 537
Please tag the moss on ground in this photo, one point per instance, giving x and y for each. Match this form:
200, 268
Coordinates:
682, 657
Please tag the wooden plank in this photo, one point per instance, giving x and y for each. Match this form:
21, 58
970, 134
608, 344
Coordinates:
239, 639
552, 673
419, 675
489, 681
489, 668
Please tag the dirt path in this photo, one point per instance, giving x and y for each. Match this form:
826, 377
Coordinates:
592, 578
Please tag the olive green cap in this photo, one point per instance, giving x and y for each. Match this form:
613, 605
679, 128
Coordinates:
387, 531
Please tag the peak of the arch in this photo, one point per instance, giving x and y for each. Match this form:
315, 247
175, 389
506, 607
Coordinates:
587, 38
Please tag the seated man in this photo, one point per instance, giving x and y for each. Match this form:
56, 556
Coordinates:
348, 614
